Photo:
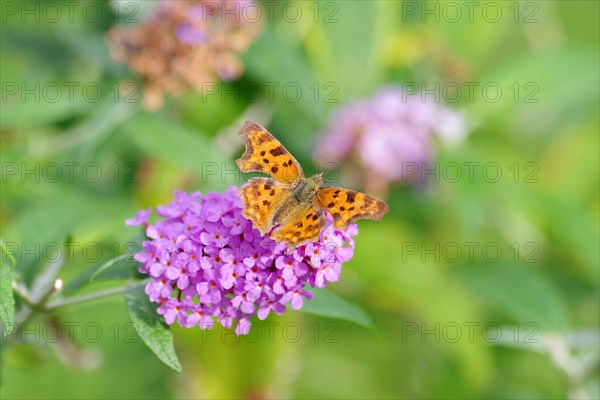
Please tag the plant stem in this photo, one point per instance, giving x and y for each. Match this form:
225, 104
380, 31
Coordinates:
23, 292
57, 303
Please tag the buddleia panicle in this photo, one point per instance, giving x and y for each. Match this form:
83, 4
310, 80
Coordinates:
209, 265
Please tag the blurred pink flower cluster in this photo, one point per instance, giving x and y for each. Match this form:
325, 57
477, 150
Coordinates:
387, 139
184, 45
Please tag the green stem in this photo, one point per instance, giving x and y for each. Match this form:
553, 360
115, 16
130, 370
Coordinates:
57, 303
23, 293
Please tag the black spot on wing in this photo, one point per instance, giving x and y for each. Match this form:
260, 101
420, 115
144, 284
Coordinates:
350, 196
277, 151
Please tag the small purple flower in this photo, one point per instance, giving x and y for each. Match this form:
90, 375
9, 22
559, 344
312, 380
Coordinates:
190, 34
208, 263
269, 306
140, 219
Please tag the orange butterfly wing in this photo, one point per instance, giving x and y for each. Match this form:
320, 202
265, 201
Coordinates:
347, 206
262, 197
304, 225
266, 154
269, 202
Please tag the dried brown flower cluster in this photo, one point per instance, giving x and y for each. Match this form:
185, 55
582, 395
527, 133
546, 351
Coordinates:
186, 44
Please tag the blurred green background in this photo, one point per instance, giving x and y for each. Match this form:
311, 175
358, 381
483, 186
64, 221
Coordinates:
520, 325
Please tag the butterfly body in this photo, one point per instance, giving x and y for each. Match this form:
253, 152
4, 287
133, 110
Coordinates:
289, 205
306, 189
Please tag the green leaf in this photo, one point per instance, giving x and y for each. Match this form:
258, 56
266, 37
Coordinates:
83, 216
121, 267
354, 69
520, 292
279, 61
328, 304
7, 299
109, 264
537, 97
29, 101
173, 142
150, 327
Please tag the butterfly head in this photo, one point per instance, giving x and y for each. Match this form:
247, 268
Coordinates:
315, 182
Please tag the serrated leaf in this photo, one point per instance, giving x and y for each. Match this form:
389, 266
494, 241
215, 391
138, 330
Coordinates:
150, 326
329, 304
7, 298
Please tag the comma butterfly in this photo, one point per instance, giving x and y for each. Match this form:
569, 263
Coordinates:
289, 201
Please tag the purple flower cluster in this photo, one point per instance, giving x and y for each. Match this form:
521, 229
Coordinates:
390, 137
207, 262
